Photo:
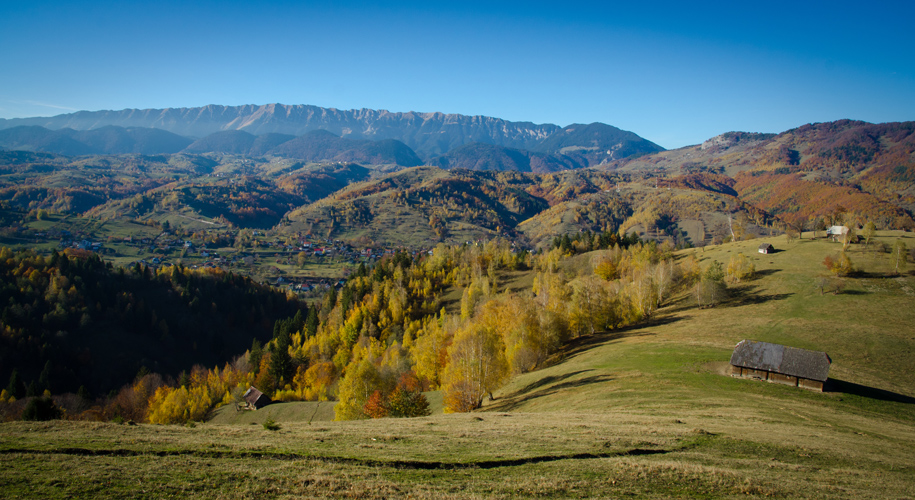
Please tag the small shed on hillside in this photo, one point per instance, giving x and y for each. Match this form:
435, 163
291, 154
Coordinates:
766, 248
780, 364
836, 233
256, 399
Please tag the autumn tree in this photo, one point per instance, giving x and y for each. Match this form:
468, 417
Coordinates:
870, 229
430, 350
590, 306
838, 264
376, 406
740, 268
848, 237
666, 277
476, 367
711, 288
360, 381
319, 378
405, 400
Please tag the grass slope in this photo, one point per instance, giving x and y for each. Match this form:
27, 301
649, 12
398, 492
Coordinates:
642, 412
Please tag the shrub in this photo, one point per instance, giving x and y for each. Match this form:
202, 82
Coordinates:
271, 424
839, 264
41, 409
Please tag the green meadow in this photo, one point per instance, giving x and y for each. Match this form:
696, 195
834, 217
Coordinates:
642, 412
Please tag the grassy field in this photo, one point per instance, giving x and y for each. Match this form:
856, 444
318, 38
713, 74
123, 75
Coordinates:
642, 412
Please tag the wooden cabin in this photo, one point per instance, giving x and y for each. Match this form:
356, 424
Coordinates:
256, 399
766, 248
780, 364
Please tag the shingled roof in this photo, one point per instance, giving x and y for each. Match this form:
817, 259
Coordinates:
812, 365
256, 398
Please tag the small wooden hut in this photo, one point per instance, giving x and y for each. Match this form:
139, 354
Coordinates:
766, 248
780, 364
256, 399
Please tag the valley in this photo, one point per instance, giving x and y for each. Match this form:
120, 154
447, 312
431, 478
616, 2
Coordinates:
553, 308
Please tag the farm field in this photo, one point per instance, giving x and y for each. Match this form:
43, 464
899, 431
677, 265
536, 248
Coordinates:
641, 412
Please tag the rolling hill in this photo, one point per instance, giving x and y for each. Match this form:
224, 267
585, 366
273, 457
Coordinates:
425, 205
479, 156
107, 140
644, 412
849, 166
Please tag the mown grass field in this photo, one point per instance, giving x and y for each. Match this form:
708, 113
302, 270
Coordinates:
642, 412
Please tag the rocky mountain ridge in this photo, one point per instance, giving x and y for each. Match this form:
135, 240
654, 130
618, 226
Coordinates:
429, 134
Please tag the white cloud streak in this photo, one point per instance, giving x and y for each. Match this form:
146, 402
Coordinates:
48, 105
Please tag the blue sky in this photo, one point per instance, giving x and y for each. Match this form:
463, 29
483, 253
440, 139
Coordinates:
673, 73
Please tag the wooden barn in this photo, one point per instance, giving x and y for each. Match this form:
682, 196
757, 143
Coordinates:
766, 248
256, 399
780, 364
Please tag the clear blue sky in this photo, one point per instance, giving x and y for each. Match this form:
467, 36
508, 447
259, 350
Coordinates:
672, 73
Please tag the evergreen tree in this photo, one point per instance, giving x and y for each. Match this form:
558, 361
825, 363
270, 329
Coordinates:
16, 387
346, 299
280, 361
311, 324
255, 355
44, 379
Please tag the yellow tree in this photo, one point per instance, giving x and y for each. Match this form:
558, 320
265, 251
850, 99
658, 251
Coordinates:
870, 230
430, 350
476, 367
740, 268
643, 293
315, 383
356, 387
591, 306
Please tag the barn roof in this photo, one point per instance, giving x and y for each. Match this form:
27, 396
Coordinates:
766, 246
813, 365
252, 395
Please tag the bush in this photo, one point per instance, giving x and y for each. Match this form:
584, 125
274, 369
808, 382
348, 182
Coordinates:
38, 409
271, 424
839, 264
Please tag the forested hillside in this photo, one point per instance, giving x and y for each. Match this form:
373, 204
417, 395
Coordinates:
865, 170
69, 320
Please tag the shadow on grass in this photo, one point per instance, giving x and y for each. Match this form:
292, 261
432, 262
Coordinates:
367, 462
586, 342
515, 400
834, 385
551, 384
552, 379
746, 295
766, 272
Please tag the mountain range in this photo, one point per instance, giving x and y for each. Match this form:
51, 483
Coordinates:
427, 134
813, 171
